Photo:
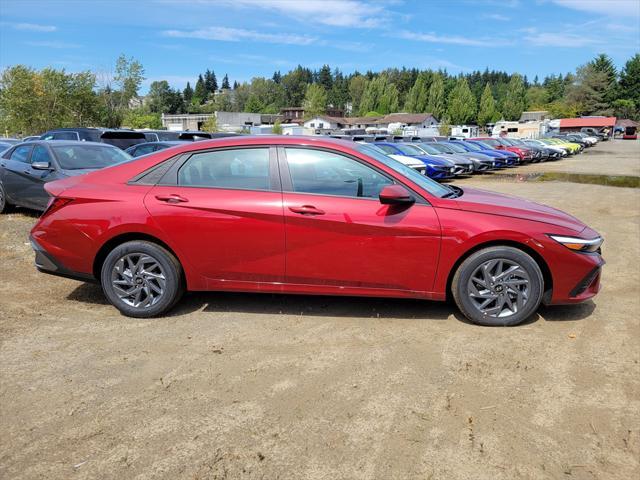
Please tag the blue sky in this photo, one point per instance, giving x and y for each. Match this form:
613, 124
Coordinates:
177, 39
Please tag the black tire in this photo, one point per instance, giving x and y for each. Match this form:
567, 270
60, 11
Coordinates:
465, 301
5, 206
166, 263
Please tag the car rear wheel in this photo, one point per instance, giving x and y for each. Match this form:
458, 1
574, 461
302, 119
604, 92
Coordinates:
498, 286
4, 203
142, 279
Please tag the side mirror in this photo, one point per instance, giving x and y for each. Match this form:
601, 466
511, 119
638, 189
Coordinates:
396, 195
41, 166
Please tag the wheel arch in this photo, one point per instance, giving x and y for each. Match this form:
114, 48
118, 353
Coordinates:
544, 268
113, 242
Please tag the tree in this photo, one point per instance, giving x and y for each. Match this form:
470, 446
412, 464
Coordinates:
514, 102
315, 100
603, 63
590, 91
140, 118
488, 112
210, 81
200, 92
295, 85
537, 97
160, 97
418, 96
187, 94
357, 84
277, 128
225, 82
436, 103
629, 86
118, 90
624, 108
444, 128
210, 124
461, 107
379, 95
253, 104
324, 78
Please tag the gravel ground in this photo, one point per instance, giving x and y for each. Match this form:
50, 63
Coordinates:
241, 386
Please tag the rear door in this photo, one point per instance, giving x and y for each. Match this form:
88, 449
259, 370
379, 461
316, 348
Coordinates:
222, 210
17, 171
340, 236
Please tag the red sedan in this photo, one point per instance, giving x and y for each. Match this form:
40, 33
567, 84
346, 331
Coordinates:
308, 215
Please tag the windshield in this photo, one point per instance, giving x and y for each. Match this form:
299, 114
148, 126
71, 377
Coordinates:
79, 157
456, 148
441, 148
492, 142
408, 149
429, 149
431, 186
472, 146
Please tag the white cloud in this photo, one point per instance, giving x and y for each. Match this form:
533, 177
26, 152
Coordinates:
497, 17
54, 44
336, 13
435, 38
622, 8
34, 27
569, 40
227, 34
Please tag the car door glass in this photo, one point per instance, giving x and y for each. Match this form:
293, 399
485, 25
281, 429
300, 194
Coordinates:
40, 154
242, 168
65, 136
328, 173
144, 150
387, 148
21, 154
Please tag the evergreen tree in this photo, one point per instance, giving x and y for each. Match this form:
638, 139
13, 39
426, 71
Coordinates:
418, 95
235, 84
603, 63
200, 92
277, 76
461, 106
436, 103
225, 82
210, 81
590, 91
324, 78
380, 96
515, 99
630, 82
187, 94
488, 112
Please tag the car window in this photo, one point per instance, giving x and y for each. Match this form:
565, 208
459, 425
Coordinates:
329, 173
65, 136
387, 148
242, 168
21, 154
79, 157
144, 150
40, 154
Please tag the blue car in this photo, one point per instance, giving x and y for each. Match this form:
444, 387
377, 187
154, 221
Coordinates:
510, 158
437, 168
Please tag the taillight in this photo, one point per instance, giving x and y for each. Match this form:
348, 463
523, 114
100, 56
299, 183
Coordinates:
55, 203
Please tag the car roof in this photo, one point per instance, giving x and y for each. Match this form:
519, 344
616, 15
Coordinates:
163, 142
66, 142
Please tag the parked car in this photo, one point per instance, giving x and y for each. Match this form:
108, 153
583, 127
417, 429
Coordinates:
539, 154
31, 138
499, 160
437, 168
312, 215
504, 157
595, 132
551, 152
150, 147
120, 138
5, 145
463, 166
498, 145
410, 162
173, 135
481, 162
571, 139
10, 141
26, 167
572, 148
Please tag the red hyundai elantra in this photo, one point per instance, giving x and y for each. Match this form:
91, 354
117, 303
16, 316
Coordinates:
309, 215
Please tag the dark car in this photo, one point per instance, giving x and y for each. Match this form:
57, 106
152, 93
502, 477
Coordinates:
150, 147
119, 138
173, 135
26, 167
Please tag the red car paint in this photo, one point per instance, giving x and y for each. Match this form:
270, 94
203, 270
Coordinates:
274, 241
524, 153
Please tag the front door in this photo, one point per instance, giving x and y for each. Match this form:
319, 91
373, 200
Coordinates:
17, 171
222, 211
339, 235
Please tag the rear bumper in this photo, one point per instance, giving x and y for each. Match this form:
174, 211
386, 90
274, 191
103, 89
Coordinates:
46, 263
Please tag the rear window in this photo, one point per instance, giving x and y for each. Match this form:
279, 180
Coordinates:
80, 157
123, 140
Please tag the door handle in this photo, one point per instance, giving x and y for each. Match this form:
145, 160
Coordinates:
27, 172
173, 198
307, 210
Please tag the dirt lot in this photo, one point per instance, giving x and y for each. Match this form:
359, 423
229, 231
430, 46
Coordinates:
294, 387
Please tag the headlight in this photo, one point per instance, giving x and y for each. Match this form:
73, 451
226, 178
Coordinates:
579, 244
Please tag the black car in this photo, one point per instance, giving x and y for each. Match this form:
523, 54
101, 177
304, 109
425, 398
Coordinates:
173, 135
119, 138
26, 167
150, 147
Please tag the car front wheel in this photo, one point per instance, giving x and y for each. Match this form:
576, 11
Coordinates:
142, 279
498, 286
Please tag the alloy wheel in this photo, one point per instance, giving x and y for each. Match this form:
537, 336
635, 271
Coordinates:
499, 288
138, 280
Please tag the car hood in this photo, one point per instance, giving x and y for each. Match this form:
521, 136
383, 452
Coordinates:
457, 158
435, 160
483, 201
